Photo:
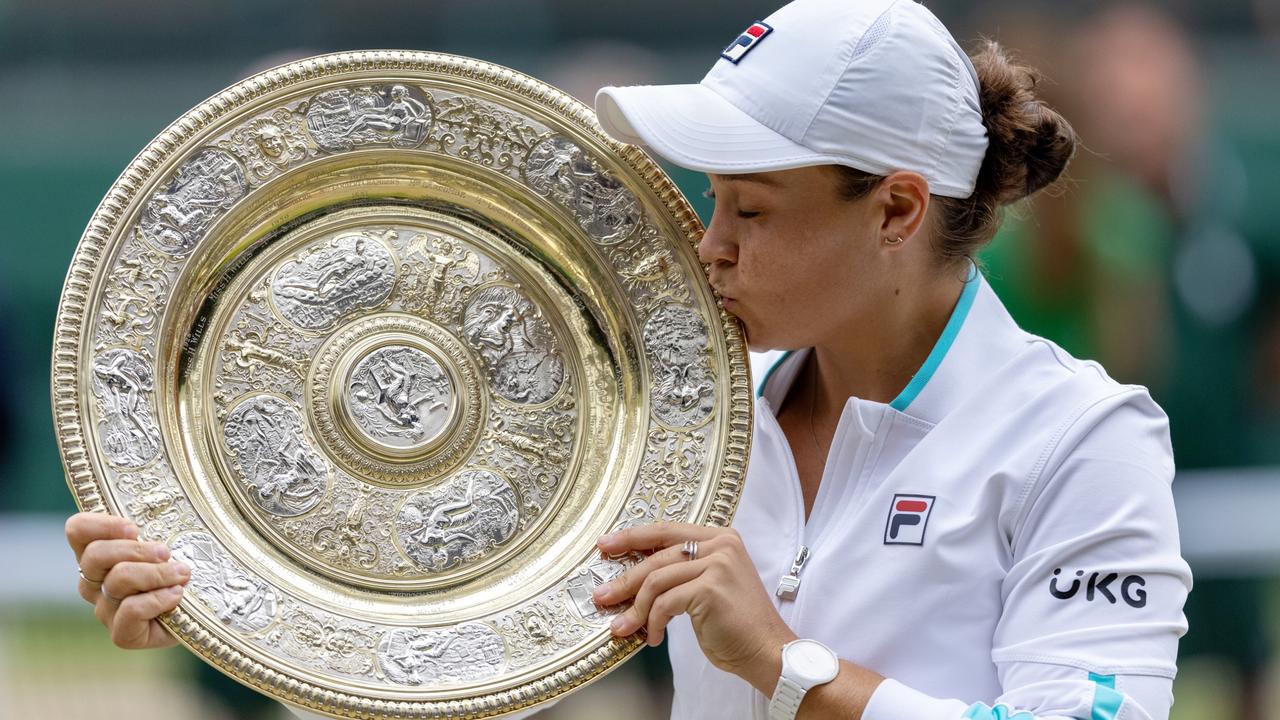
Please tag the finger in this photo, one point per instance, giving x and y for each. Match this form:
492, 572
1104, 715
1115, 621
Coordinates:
132, 578
628, 583
102, 555
656, 535
659, 583
669, 604
85, 527
135, 626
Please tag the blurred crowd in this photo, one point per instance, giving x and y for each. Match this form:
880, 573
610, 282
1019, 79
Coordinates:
1158, 255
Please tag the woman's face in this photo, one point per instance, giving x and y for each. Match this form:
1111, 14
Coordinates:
793, 259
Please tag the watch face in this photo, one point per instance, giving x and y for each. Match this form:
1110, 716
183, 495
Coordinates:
812, 661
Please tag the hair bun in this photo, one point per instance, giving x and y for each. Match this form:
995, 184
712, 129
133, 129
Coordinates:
1029, 143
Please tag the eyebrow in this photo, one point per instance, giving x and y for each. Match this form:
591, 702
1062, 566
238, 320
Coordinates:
751, 177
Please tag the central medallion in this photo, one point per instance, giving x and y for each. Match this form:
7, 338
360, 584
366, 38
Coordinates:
400, 397
396, 399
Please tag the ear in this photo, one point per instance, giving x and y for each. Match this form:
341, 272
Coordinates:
903, 197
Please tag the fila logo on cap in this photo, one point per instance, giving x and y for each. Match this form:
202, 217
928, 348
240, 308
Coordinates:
747, 40
908, 516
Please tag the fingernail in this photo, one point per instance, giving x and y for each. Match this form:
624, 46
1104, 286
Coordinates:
181, 569
619, 623
131, 529
161, 552
174, 591
601, 592
607, 538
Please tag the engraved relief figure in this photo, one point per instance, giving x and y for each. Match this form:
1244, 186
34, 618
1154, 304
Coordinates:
469, 652
400, 395
517, 344
202, 189
451, 271
122, 380
241, 601
249, 349
268, 145
466, 519
599, 571
559, 170
330, 280
285, 476
677, 342
347, 117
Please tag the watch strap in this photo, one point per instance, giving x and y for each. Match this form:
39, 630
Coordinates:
785, 702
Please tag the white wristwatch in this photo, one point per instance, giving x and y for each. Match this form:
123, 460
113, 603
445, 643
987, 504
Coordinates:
805, 663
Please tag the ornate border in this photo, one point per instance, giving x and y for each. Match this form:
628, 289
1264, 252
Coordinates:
69, 343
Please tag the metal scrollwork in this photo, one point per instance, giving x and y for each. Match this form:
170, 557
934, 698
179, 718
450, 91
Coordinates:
325, 640
269, 145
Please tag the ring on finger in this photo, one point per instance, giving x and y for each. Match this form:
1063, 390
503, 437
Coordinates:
691, 549
89, 580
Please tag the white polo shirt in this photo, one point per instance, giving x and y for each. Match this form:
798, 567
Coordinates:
999, 541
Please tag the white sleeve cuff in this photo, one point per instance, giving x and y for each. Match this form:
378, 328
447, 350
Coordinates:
894, 701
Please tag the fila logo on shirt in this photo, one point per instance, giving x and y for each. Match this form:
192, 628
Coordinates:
908, 516
749, 38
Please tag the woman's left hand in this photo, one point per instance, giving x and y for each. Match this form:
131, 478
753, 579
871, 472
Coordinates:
734, 620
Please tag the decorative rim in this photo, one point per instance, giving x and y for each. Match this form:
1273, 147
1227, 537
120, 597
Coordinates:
70, 345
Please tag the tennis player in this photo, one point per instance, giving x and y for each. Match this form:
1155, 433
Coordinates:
944, 516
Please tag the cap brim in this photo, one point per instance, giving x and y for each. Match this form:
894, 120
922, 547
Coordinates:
693, 127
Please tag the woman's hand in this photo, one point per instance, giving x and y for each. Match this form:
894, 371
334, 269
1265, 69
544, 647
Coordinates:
128, 582
736, 623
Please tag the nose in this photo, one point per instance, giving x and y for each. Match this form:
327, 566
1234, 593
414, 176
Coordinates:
718, 242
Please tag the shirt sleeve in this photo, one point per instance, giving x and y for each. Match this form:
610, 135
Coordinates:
1093, 598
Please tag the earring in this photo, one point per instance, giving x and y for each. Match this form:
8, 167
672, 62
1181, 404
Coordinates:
887, 241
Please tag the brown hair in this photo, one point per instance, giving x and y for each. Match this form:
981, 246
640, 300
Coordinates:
1029, 145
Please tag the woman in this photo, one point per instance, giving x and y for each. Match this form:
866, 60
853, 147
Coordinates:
944, 515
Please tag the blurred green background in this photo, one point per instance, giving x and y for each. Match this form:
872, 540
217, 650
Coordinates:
1159, 257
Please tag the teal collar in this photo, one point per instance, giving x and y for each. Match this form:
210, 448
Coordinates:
940, 348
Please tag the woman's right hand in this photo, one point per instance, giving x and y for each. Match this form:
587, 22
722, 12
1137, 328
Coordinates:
139, 580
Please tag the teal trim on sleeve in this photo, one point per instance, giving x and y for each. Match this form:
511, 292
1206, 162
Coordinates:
769, 373
940, 348
1106, 699
1103, 680
981, 711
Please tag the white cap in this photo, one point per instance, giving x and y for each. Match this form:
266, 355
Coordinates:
879, 85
